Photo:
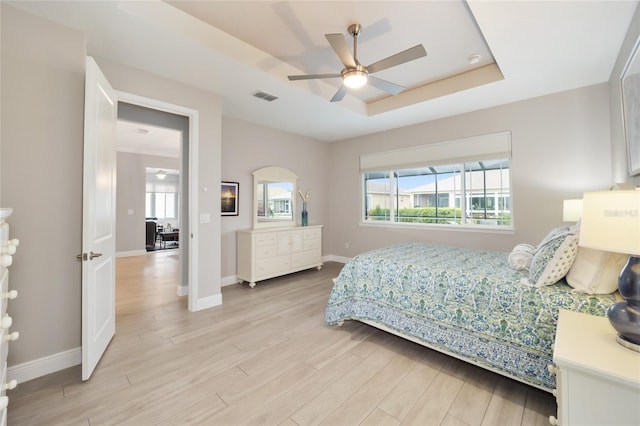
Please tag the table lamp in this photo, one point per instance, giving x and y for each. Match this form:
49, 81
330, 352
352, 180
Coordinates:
611, 222
571, 210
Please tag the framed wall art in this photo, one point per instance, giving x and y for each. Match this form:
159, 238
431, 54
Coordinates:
630, 86
229, 193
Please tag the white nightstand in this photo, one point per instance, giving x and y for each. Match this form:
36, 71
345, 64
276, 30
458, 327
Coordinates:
598, 380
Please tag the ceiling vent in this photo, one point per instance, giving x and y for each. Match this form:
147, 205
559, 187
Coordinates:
264, 95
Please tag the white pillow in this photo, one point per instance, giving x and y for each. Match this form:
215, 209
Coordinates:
596, 271
521, 256
553, 258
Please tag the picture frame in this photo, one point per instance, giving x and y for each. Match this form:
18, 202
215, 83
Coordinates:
229, 197
630, 90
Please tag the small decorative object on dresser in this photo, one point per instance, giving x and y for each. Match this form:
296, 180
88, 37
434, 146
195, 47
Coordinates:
598, 382
611, 222
305, 213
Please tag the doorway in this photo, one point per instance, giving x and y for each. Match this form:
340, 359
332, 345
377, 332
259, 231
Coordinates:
157, 115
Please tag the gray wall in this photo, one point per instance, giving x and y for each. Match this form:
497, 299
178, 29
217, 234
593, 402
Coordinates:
247, 147
560, 146
618, 148
130, 229
42, 137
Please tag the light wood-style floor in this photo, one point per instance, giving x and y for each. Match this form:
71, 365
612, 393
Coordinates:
264, 357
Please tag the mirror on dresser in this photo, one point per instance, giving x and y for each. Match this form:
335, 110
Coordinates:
274, 190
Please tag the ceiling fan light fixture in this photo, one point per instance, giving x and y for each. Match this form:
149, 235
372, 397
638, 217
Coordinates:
161, 174
355, 78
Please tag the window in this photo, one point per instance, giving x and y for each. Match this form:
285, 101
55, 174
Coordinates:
161, 198
472, 192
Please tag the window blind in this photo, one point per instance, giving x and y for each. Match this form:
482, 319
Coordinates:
477, 148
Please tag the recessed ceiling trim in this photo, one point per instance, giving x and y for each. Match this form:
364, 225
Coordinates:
464, 81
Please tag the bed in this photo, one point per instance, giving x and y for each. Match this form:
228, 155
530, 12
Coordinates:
466, 303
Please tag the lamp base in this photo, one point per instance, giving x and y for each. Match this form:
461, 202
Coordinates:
625, 316
627, 344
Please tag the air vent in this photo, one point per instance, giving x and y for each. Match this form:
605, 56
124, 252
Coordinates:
264, 95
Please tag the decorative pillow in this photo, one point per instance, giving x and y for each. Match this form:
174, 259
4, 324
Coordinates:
521, 256
596, 271
556, 232
553, 259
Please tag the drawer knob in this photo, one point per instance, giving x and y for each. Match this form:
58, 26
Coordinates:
4, 401
8, 250
6, 260
11, 294
6, 322
12, 337
11, 385
553, 370
554, 392
13, 242
553, 420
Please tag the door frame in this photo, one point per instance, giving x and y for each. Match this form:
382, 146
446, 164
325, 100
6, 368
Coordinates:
192, 238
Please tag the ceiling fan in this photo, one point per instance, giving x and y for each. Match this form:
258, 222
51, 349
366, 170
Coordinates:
354, 74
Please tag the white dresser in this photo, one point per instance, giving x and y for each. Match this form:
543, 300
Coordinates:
597, 379
272, 252
7, 250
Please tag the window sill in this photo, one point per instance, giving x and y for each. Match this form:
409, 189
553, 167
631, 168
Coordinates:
456, 228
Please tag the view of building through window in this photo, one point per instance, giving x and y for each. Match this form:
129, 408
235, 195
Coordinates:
474, 193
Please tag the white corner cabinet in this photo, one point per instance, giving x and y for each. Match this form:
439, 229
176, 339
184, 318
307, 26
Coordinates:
272, 252
7, 250
597, 379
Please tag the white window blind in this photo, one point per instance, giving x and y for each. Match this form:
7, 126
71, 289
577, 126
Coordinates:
477, 148
163, 186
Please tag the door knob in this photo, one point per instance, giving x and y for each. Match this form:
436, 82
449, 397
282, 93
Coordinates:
90, 256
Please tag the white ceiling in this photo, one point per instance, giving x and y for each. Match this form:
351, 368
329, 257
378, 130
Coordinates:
150, 140
238, 47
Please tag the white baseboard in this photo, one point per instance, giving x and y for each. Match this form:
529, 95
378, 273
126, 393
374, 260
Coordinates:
131, 253
334, 258
208, 302
230, 280
43, 366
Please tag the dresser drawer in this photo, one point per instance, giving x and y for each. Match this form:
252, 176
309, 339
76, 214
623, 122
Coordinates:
266, 239
311, 245
307, 258
266, 267
312, 234
4, 288
266, 252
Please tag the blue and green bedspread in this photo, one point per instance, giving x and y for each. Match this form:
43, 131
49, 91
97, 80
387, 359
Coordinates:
469, 303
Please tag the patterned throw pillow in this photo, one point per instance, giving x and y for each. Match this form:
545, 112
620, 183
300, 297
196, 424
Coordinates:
554, 258
555, 232
521, 257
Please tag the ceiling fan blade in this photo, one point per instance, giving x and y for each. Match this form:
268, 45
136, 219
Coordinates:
339, 44
312, 76
410, 54
385, 85
339, 94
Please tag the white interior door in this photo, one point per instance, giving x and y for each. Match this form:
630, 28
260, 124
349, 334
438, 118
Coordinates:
98, 218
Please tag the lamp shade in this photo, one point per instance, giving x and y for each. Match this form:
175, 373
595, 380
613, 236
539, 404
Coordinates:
611, 221
571, 210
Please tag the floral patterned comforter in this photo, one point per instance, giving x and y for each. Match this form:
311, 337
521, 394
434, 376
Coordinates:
466, 302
